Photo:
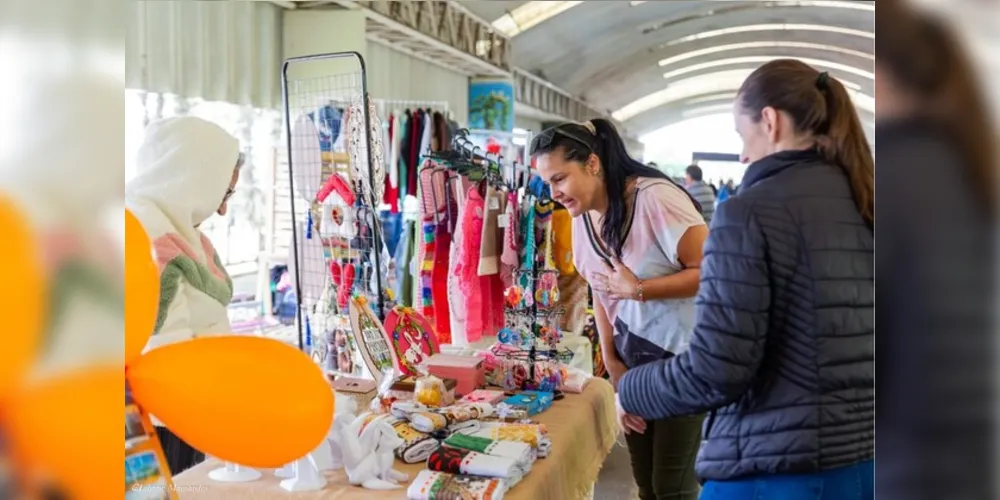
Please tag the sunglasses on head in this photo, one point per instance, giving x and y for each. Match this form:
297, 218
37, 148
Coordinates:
544, 139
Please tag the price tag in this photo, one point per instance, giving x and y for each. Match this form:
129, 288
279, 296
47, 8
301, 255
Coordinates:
503, 220
494, 203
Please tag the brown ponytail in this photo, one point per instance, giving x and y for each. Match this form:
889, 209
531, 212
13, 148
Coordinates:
843, 143
819, 105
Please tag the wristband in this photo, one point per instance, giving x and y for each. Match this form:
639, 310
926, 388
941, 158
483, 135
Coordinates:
638, 291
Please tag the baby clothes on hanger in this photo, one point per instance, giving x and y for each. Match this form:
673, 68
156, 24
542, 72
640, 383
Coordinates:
473, 293
459, 188
442, 256
562, 241
489, 252
509, 257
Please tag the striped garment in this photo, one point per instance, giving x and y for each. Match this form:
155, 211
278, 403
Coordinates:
705, 196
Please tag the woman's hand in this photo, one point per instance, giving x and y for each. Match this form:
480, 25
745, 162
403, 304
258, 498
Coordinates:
618, 281
630, 423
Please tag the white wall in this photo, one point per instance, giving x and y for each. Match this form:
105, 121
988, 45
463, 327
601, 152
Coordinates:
399, 76
217, 51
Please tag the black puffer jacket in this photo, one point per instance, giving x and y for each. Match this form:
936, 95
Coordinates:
783, 352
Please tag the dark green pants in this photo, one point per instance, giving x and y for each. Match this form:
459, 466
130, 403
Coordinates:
663, 458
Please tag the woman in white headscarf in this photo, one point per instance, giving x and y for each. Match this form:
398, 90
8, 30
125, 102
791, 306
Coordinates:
186, 170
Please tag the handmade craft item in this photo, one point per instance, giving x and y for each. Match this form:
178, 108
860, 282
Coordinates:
533, 402
521, 453
412, 338
431, 485
470, 463
467, 370
367, 446
431, 421
484, 396
429, 391
371, 338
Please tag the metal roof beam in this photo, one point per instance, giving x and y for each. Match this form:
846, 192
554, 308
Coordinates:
542, 97
440, 27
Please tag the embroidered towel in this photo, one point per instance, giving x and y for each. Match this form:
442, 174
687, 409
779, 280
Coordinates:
431, 485
521, 453
470, 463
430, 421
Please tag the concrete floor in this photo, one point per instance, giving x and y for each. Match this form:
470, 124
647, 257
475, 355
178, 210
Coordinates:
615, 481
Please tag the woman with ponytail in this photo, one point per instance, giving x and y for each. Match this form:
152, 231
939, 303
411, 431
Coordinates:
637, 239
782, 356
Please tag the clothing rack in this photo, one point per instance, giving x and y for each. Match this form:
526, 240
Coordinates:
386, 106
471, 160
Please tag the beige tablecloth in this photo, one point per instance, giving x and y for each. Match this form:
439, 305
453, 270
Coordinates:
582, 428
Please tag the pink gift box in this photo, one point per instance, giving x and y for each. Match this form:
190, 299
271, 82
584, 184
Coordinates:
467, 370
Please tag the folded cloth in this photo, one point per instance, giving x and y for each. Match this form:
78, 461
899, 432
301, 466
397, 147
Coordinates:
465, 427
416, 446
435, 420
531, 434
428, 421
432, 485
521, 453
403, 409
470, 463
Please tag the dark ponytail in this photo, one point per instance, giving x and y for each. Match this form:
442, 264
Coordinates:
820, 105
599, 136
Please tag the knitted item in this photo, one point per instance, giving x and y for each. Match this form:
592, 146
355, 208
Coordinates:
426, 272
468, 267
177, 260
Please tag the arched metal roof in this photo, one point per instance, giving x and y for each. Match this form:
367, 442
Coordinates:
653, 63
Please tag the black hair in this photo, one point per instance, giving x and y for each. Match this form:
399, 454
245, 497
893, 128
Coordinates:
577, 141
694, 171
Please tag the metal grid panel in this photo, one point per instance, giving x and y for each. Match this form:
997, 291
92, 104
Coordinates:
337, 248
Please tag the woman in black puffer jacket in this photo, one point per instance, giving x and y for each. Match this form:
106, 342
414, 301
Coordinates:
782, 356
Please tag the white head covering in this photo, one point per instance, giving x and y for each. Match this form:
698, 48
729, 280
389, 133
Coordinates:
183, 170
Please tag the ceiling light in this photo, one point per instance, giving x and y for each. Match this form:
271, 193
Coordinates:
635, 3
770, 27
722, 81
764, 59
759, 45
530, 14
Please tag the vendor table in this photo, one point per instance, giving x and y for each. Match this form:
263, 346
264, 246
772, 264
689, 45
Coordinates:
582, 428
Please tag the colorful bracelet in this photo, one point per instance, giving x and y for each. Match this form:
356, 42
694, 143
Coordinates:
638, 291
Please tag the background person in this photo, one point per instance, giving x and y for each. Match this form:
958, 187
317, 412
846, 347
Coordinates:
187, 169
695, 184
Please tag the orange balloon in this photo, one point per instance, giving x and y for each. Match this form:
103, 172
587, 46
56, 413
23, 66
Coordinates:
23, 301
62, 428
249, 400
142, 288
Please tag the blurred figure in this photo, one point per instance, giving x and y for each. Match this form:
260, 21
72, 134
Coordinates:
187, 169
783, 349
695, 184
727, 190
936, 162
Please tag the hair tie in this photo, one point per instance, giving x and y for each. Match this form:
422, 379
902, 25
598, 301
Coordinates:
589, 125
823, 80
